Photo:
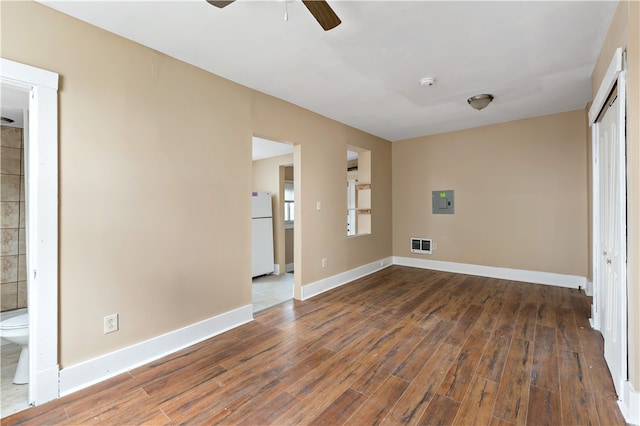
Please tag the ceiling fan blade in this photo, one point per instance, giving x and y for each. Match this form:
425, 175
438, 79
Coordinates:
220, 3
323, 13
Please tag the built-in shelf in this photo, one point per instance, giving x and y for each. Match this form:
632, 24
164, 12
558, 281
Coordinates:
363, 208
363, 196
359, 195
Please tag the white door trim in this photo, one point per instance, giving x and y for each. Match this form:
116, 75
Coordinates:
42, 223
608, 81
614, 75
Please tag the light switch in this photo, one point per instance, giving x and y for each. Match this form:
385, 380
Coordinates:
318, 205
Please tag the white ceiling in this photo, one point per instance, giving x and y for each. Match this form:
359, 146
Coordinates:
536, 57
263, 148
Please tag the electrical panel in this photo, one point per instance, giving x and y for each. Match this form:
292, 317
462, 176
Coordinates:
442, 202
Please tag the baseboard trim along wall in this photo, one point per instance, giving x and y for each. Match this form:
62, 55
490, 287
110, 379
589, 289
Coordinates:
536, 277
95, 370
326, 284
630, 404
87, 373
589, 288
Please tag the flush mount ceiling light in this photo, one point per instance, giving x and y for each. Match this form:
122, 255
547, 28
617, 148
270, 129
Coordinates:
480, 101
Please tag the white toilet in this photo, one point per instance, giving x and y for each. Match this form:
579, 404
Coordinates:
16, 330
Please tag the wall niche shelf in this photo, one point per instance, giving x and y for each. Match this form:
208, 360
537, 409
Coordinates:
359, 194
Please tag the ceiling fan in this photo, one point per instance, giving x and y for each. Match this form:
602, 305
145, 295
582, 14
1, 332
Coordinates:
320, 10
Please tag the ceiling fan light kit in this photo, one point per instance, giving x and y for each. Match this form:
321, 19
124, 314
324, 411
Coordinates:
320, 10
480, 102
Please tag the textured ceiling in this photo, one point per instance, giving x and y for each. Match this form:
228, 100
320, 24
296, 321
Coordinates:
536, 57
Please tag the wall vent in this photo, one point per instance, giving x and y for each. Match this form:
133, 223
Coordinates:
420, 245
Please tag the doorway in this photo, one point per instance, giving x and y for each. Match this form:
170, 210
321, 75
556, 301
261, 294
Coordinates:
273, 174
41, 217
14, 384
609, 310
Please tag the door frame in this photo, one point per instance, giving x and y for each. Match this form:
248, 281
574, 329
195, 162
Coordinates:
42, 223
615, 75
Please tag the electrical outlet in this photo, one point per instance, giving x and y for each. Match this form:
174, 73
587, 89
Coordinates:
110, 323
324, 262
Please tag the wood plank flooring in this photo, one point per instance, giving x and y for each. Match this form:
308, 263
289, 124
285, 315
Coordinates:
402, 346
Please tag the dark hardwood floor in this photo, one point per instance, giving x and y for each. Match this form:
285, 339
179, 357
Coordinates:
402, 346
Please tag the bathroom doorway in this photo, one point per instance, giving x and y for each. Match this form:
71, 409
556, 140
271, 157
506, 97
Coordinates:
273, 172
13, 253
40, 197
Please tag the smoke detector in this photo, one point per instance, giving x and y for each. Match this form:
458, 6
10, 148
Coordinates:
427, 81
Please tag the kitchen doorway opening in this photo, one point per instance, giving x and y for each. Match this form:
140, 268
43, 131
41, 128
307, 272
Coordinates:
273, 223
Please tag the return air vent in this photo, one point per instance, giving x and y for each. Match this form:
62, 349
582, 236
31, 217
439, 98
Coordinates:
420, 245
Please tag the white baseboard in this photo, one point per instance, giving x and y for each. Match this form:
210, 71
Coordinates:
315, 288
588, 290
95, 370
288, 267
537, 277
630, 404
276, 269
79, 376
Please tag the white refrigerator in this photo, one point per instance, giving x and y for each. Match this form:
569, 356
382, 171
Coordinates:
262, 234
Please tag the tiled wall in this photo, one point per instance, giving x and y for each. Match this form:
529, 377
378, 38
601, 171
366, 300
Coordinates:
12, 221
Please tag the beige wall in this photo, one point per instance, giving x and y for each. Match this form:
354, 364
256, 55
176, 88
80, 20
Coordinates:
155, 168
268, 175
288, 246
288, 173
520, 194
625, 32
147, 148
